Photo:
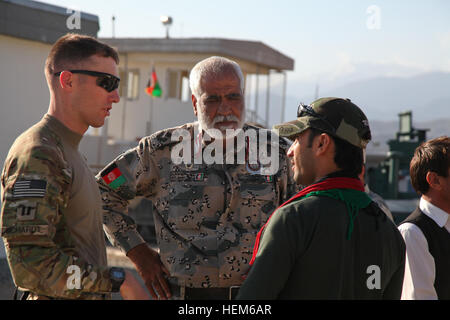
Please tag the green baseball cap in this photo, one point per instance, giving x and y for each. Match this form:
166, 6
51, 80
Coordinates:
336, 116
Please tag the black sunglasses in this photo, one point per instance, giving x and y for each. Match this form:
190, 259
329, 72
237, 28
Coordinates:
306, 110
105, 80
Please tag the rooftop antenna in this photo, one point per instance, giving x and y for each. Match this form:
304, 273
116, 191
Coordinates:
167, 22
113, 26
316, 94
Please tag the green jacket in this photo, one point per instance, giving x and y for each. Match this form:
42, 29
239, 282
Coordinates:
304, 254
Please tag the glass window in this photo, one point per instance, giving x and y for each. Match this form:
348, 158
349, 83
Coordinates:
130, 83
178, 84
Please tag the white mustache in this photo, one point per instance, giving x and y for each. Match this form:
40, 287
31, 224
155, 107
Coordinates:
225, 118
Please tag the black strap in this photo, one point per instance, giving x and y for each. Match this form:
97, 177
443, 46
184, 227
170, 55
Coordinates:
211, 293
24, 296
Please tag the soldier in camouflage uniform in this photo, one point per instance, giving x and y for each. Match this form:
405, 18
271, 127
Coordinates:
51, 219
206, 215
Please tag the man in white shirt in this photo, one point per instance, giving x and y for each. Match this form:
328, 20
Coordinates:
427, 230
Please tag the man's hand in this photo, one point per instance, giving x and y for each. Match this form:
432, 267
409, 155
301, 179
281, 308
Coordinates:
131, 289
151, 269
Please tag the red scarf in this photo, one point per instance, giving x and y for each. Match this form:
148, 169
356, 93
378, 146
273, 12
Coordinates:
327, 184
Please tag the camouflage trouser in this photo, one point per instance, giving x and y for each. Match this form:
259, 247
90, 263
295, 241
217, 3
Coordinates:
177, 290
94, 296
33, 296
181, 292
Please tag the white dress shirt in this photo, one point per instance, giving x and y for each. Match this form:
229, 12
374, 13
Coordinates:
420, 269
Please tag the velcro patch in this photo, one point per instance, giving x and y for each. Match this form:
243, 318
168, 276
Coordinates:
199, 176
29, 189
25, 230
255, 178
113, 176
26, 212
180, 175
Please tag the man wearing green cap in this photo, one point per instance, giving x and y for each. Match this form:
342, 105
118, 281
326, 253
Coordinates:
330, 241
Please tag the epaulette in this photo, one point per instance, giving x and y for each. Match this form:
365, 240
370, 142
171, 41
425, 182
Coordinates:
282, 143
163, 138
285, 143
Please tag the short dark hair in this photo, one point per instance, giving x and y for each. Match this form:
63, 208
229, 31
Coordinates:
432, 155
73, 48
347, 157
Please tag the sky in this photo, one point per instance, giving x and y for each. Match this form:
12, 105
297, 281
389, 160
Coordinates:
332, 42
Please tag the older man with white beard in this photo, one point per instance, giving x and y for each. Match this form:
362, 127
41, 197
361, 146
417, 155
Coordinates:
206, 214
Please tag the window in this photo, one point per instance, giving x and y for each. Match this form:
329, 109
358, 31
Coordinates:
178, 84
130, 84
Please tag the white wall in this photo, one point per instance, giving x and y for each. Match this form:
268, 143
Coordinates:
23, 89
24, 94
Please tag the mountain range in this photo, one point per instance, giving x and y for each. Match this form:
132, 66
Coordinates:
382, 98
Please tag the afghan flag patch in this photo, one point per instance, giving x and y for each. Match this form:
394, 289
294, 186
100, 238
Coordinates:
269, 178
113, 177
199, 176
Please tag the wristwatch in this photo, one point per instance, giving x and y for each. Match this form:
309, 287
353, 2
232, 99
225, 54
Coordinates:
117, 276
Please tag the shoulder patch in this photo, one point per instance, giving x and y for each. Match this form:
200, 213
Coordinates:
112, 176
163, 138
29, 189
25, 230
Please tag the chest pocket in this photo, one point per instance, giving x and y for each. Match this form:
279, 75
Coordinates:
259, 196
257, 187
190, 198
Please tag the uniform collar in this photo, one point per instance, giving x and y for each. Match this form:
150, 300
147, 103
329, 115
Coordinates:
62, 131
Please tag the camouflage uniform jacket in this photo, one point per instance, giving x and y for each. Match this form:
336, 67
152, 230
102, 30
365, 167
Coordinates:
51, 218
206, 216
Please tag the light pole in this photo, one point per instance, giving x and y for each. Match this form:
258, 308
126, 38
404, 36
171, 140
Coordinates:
113, 26
167, 22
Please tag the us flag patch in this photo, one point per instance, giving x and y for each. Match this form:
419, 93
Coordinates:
29, 189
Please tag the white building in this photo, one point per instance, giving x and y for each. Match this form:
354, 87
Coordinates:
138, 114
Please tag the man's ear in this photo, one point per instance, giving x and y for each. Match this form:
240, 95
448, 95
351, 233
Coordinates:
433, 180
194, 104
66, 80
323, 143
